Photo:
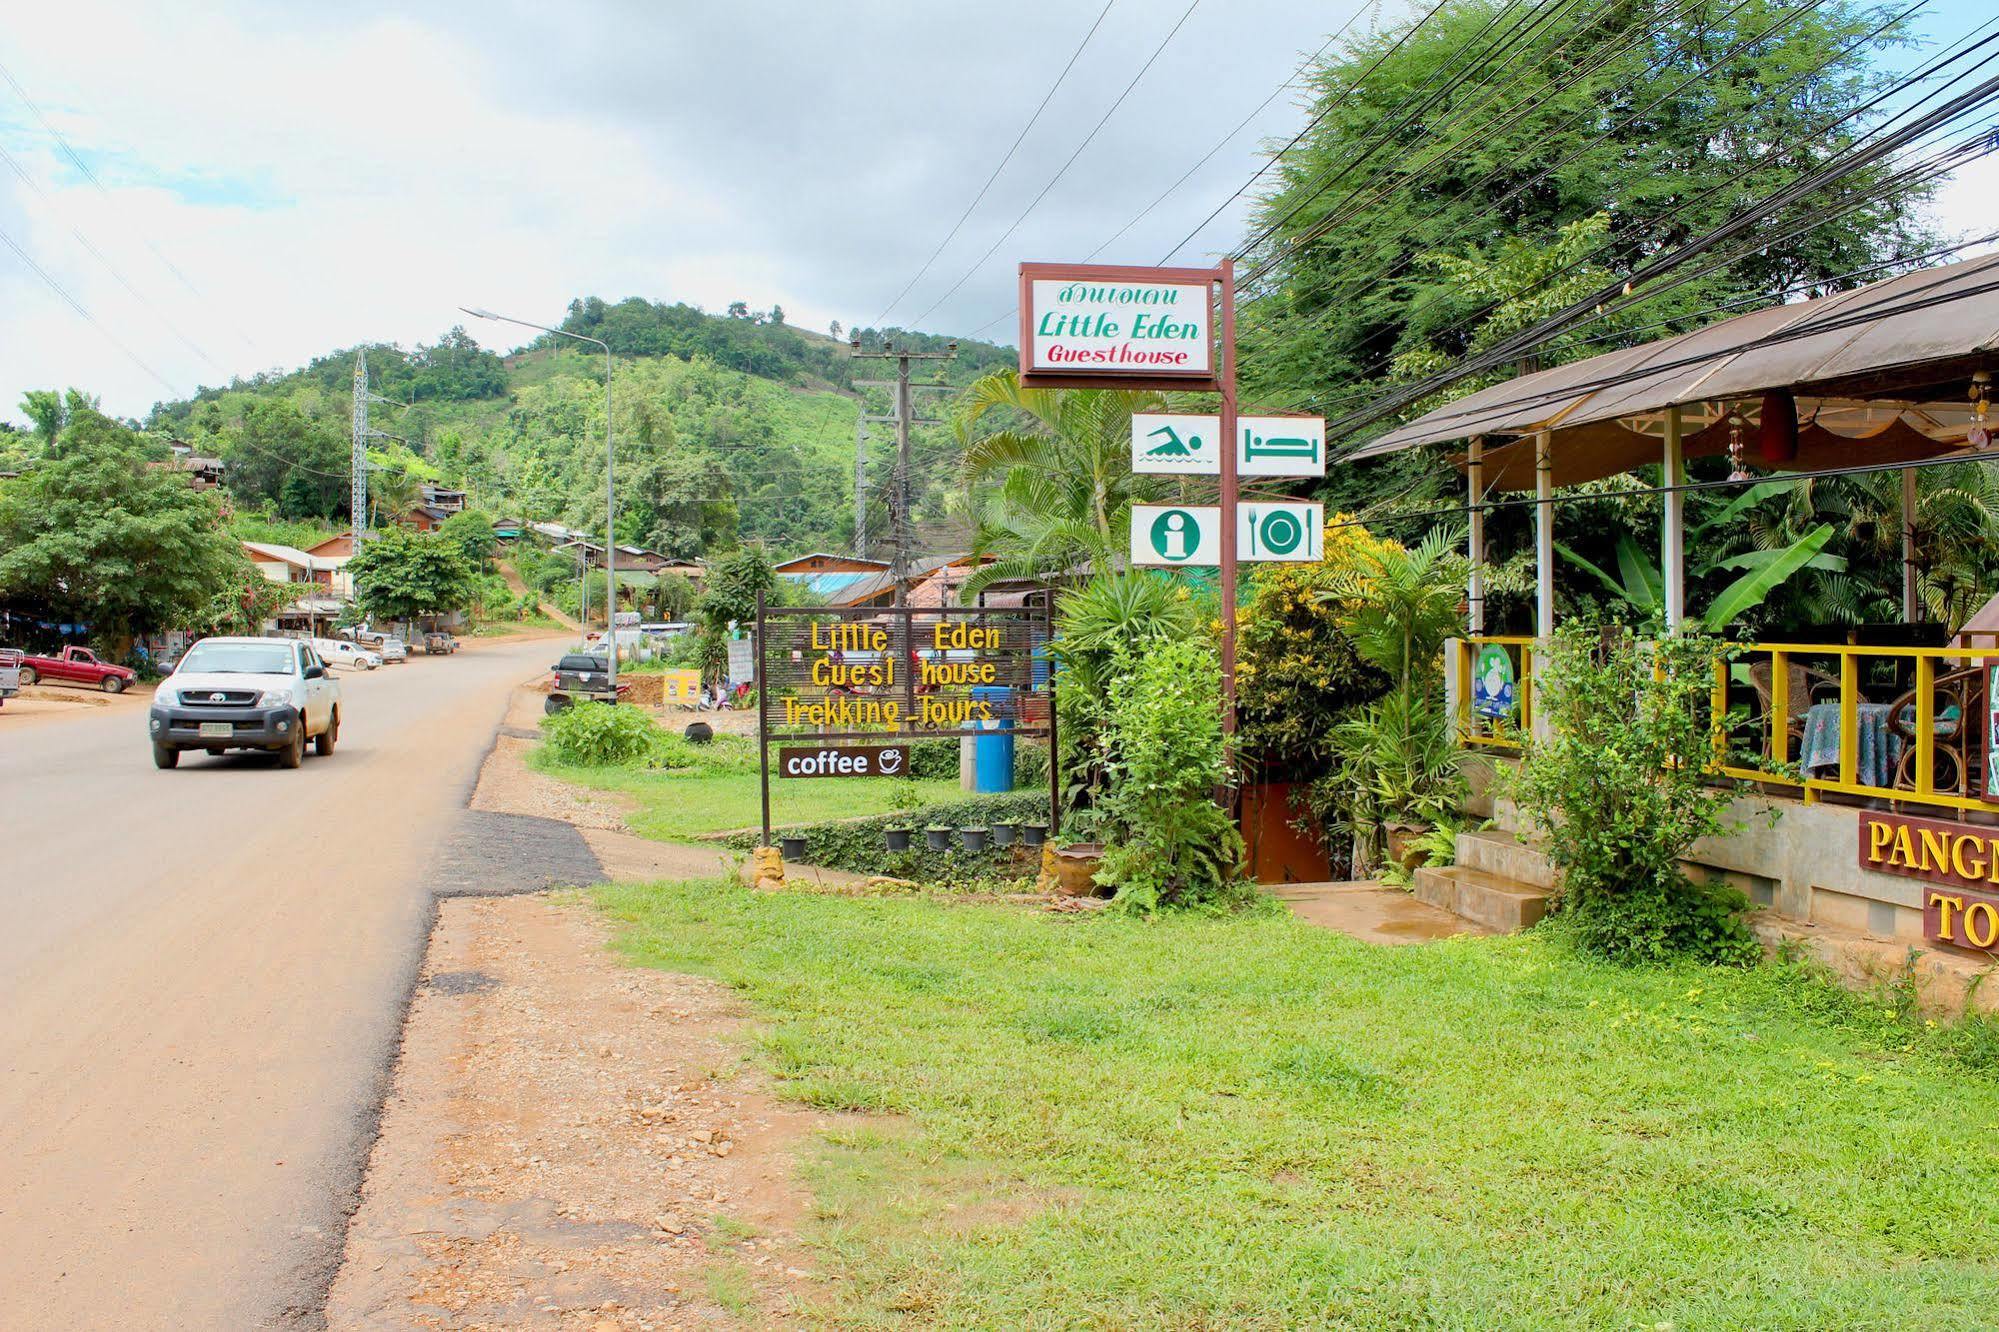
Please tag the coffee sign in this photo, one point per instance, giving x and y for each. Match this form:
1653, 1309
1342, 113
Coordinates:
844, 761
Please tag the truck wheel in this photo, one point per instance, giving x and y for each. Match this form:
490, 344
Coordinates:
293, 754
28, 676
165, 756
323, 743
113, 684
556, 703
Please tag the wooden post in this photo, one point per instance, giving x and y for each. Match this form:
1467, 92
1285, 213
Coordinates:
763, 715
1908, 545
1475, 542
1673, 537
1544, 537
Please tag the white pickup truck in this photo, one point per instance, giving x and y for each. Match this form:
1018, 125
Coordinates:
10, 673
272, 694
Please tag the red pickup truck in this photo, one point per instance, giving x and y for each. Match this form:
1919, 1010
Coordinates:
75, 665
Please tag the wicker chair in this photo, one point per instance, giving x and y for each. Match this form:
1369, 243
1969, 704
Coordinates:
1959, 763
1806, 688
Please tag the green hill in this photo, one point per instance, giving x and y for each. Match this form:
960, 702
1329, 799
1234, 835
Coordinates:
730, 428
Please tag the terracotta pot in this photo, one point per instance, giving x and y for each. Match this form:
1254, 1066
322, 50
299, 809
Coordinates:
1399, 837
1074, 868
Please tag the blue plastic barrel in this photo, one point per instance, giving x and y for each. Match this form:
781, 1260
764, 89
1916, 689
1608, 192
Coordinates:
992, 751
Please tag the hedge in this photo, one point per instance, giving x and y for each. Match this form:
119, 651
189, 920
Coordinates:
857, 845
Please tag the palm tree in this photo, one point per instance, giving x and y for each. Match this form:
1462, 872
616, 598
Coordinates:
1051, 487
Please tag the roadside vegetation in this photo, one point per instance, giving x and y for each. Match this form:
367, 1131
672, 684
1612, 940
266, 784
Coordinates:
1191, 1121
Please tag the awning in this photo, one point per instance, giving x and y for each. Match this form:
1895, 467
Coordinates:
1880, 374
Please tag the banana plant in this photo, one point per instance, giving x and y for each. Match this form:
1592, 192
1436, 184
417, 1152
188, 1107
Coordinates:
1640, 582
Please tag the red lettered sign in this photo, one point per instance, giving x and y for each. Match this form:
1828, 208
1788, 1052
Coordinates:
1960, 917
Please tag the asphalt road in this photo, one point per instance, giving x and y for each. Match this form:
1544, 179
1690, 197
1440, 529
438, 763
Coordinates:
202, 980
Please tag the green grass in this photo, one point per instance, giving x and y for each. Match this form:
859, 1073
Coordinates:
676, 806
1249, 1122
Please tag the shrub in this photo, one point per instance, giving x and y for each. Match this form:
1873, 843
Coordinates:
1167, 842
1114, 614
1620, 787
598, 735
1297, 670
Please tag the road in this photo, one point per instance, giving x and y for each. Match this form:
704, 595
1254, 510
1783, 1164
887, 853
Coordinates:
202, 979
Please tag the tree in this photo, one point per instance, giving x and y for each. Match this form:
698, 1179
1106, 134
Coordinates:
404, 575
1583, 118
739, 309
834, 329
1053, 486
101, 532
777, 316
473, 533
44, 409
281, 457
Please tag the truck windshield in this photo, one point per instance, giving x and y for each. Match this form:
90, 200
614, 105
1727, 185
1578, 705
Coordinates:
239, 658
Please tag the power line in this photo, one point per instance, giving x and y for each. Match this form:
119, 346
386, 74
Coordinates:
92, 177
109, 267
1310, 125
1773, 153
1018, 140
84, 314
1064, 168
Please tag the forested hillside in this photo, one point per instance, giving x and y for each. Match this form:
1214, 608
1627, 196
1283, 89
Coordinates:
730, 428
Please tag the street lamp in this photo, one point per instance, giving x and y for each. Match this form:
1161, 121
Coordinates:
610, 488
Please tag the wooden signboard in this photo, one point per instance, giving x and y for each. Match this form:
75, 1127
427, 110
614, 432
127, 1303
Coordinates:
1960, 854
1961, 918
1111, 326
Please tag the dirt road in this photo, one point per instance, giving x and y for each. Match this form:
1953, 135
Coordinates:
202, 976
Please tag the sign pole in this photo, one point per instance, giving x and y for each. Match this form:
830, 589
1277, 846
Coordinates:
1230, 485
1054, 740
763, 716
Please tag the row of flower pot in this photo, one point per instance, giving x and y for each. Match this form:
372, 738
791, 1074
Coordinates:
937, 837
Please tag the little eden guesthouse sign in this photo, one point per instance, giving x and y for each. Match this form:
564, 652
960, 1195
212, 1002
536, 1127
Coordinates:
1099, 326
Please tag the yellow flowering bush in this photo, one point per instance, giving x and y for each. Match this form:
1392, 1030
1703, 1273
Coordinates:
1297, 672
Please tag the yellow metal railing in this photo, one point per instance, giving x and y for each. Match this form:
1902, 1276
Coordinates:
1897, 724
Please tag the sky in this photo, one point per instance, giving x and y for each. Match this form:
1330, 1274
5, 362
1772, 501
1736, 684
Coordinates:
269, 181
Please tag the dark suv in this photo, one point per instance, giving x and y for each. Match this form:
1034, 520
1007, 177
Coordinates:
581, 677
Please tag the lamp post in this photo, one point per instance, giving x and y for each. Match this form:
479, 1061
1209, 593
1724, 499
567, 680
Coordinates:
610, 488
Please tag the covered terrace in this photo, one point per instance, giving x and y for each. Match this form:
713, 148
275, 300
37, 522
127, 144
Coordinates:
1893, 375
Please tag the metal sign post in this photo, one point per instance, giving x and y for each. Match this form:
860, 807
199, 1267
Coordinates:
835, 683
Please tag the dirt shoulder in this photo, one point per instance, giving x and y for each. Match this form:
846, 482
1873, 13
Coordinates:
571, 1142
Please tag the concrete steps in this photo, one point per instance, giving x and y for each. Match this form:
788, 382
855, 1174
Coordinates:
1499, 882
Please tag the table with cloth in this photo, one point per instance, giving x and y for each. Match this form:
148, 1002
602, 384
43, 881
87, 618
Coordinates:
1877, 754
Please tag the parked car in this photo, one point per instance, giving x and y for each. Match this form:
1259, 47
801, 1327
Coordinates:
581, 677
272, 694
393, 650
340, 652
77, 665
437, 643
10, 673
363, 635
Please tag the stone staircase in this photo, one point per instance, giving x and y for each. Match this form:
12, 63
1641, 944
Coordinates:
1499, 882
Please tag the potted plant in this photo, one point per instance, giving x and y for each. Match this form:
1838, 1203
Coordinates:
973, 838
1033, 834
792, 846
937, 837
1004, 833
1076, 868
896, 838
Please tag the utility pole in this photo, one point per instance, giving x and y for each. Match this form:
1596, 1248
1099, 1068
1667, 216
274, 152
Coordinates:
357, 497
904, 416
861, 482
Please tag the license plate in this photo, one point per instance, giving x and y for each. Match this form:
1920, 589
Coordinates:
217, 730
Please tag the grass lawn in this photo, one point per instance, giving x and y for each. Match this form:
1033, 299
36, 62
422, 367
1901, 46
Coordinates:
1249, 1122
675, 806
